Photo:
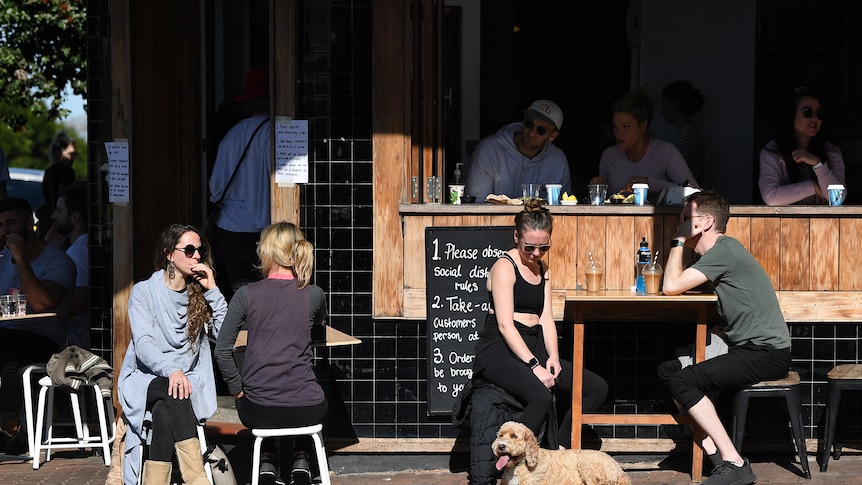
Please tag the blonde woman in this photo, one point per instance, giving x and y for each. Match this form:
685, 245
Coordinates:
276, 387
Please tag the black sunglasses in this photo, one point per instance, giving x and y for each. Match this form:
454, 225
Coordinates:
542, 248
189, 250
808, 112
541, 130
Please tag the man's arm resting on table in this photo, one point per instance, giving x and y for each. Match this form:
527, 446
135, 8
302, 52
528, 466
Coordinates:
42, 295
677, 278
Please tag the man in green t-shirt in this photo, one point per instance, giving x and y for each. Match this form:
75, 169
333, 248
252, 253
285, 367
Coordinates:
757, 335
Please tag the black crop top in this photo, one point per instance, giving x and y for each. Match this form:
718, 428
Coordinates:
529, 298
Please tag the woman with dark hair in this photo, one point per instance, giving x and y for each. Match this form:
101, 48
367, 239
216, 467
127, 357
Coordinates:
167, 375
680, 101
637, 157
59, 173
517, 349
798, 165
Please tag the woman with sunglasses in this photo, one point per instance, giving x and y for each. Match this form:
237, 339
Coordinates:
276, 387
517, 350
798, 165
637, 157
167, 376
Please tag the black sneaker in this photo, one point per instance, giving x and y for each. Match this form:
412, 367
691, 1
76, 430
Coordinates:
268, 474
301, 472
729, 474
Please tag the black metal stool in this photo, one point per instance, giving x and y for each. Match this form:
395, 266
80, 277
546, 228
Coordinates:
844, 377
788, 388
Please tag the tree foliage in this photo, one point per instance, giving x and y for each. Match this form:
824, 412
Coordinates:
42, 51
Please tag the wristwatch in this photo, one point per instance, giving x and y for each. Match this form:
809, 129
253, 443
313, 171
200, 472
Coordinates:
676, 243
533, 363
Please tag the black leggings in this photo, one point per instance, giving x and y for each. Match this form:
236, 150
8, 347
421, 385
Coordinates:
173, 420
517, 379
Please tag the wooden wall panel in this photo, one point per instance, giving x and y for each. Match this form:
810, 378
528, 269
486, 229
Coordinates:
564, 253
824, 254
590, 237
765, 246
739, 228
414, 251
850, 255
622, 243
794, 248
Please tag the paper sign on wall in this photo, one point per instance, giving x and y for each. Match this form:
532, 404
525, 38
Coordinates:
118, 171
291, 151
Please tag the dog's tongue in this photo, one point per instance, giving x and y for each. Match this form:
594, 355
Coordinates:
502, 461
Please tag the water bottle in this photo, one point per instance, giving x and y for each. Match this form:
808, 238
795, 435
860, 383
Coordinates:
643, 259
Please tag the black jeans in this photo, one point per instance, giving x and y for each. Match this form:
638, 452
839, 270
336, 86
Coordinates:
173, 420
19, 349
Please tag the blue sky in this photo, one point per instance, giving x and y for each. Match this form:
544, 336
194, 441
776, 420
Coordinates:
77, 119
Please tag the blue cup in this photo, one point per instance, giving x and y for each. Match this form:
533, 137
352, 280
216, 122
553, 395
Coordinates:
835, 194
640, 191
553, 193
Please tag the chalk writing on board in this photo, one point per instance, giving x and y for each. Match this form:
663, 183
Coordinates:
457, 264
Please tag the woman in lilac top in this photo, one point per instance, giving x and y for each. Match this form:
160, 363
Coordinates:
637, 157
798, 165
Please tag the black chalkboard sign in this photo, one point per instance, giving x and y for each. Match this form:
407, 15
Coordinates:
457, 261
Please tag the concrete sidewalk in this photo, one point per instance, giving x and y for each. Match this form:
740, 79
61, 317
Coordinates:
83, 468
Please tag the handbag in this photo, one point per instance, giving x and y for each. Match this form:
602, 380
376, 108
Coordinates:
210, 228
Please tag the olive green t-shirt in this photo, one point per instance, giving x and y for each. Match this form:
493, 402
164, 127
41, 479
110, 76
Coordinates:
746, 299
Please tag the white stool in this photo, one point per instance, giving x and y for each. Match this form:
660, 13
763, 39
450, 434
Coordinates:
29, 408
316, 433
201, 437
82, 438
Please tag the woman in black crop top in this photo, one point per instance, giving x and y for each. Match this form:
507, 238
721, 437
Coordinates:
517, 350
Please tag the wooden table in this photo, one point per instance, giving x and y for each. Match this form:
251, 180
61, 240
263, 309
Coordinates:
617, 305
27, 316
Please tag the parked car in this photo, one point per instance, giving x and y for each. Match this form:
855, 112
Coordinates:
26, 183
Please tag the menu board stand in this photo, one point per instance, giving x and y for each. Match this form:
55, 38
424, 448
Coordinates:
457, 262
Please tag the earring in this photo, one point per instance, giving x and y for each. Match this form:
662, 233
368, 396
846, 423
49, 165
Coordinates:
171, 270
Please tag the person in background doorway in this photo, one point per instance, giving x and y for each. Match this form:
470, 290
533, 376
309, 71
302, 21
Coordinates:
520, 153
70, 222
637, 157
167, 376
680, 101
245, 197
798, 165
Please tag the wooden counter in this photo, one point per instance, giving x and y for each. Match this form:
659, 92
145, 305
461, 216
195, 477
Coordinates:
802, 248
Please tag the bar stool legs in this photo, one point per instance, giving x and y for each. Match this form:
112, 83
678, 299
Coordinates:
788, 388
841, 377
316, 433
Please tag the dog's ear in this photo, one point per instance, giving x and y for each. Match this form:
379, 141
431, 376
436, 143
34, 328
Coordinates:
531, 448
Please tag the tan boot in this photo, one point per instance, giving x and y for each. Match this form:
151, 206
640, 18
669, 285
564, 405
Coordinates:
191, 462
156, 473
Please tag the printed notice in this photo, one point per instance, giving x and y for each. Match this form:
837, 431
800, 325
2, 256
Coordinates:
291, 151
457, 261
118, 171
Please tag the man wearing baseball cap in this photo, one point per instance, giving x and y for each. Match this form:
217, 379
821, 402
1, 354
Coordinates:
520, 153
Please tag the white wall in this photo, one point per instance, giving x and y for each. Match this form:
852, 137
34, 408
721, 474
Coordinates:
711, 44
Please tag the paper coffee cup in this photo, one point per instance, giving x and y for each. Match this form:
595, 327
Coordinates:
553, 193
640, 191
836, 194
455, 193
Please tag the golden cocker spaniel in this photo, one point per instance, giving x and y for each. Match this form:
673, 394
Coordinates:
524, 463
